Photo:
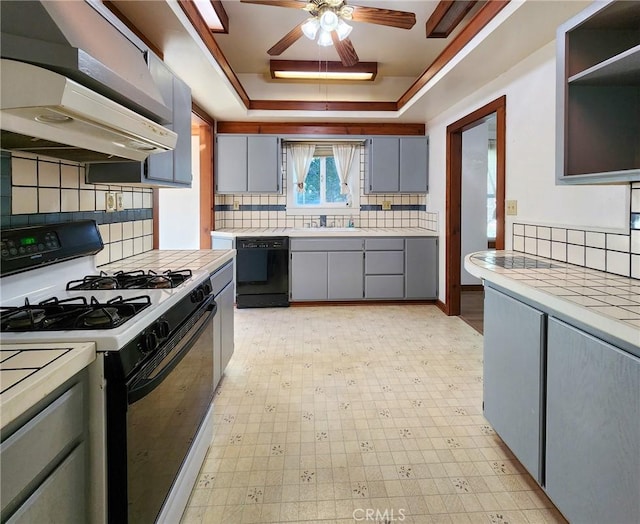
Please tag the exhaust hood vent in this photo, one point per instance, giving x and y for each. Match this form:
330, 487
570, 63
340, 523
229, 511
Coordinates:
46, 113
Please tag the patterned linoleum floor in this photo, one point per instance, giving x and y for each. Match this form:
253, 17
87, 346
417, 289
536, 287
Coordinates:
358, 414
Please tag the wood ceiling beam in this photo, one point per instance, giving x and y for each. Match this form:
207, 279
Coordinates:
486, 13
313, 128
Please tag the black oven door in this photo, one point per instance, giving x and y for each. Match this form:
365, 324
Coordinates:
165, 404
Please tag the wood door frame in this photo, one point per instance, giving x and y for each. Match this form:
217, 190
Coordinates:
453, 211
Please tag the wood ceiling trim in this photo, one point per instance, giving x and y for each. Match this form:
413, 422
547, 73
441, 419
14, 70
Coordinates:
446, 17
313, 128
475, 25
222, 15
189, 9
313, 105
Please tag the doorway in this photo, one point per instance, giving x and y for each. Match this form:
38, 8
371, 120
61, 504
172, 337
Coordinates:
454, 182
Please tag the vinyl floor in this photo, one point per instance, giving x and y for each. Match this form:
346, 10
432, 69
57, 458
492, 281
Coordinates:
358, 414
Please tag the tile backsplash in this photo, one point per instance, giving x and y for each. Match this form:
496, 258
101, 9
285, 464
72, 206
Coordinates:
611, 252
266, 211
39, 190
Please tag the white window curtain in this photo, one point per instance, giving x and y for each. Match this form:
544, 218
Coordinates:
301, 156
343, 154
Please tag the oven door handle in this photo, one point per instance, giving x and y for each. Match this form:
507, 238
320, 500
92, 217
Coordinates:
142, 387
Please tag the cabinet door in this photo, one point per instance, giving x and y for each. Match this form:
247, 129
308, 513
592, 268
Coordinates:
384, 165
421, 268
309, 275
231, 164
593, 427
262, 164
513, 370
217, 348
182, 126
159, 166
225, 310
345, 275
413, 164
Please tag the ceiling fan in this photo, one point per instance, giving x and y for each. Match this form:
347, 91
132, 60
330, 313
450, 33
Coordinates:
328, 21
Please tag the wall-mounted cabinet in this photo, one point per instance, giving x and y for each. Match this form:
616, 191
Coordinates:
248, 164
398, 165
172, 168
598, 95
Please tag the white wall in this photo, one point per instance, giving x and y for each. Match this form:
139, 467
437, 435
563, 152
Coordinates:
179, 209
473, 233
530, 156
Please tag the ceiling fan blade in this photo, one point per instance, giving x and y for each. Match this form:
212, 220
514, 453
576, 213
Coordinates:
389, 17
286, 41
296, 4
345, 49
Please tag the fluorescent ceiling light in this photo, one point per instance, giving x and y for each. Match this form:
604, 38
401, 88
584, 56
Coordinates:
214, 15
310, 70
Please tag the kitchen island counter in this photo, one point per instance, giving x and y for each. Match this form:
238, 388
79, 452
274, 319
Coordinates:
603, 303
29, 372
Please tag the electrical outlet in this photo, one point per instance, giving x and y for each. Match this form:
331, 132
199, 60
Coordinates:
386, 205
236, 205
119, 202
512, 207
110, 201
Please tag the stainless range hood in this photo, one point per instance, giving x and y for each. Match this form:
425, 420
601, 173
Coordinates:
77, 87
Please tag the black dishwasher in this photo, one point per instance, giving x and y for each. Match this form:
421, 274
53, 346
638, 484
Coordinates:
262, 272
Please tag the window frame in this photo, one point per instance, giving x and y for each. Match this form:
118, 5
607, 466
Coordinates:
337, 208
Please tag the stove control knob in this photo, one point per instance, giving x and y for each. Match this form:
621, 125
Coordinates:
149, 342
207, 288
197, 295
162, 329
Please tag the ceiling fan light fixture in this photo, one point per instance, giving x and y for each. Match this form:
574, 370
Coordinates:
343, 30
324, 39
329, 20
310, 28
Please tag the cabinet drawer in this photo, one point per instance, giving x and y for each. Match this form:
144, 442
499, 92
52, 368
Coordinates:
222, 277
384, 263
326, 244
384, 286
384, 244
31, 449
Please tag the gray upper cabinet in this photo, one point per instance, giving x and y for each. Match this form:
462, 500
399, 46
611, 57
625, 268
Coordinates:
398, 165
593, 427
513, 368
421, 268
247, 164
598, 95
172, 168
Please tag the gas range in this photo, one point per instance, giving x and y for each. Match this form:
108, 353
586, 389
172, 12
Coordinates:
72, 300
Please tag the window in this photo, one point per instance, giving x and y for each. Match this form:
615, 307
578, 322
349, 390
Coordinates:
322, 187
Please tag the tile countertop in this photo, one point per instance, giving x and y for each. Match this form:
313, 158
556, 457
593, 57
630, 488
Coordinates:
294, 232
29, 372
165, 259
608, 303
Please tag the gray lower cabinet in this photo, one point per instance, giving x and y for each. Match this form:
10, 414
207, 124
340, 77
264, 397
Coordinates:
593, 428
384, 268
421, 267
513, 369
44, 457
309, 275
223, 325
344, 275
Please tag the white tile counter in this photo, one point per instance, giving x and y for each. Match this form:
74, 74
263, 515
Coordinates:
326, 232
604, 301
29, 372
165, 259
